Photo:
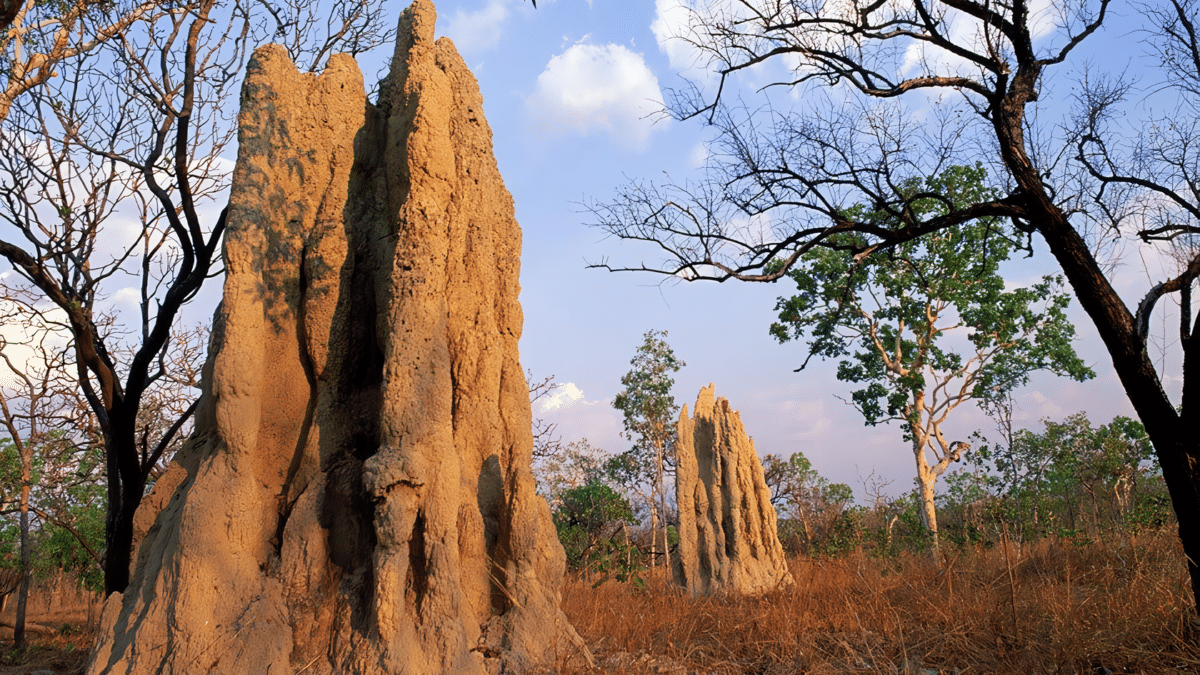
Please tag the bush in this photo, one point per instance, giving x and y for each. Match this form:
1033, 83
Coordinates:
591, 524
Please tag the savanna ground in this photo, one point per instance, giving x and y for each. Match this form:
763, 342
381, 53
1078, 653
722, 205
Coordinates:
61, 649
1053, 607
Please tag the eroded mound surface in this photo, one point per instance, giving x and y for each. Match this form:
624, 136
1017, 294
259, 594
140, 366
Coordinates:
357, 496
728, 541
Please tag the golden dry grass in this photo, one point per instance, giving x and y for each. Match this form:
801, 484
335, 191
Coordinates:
1097, 609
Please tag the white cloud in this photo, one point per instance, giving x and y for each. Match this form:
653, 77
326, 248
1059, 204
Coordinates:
564, 396
605, 87
478, 30
1039, 406
670, 28
128, 294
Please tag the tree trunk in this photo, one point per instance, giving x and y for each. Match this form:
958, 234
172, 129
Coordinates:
1171, 431
1177, 453
125, 493
118, 531
653, 531
926, 478
929, 513
662, 498
26, 572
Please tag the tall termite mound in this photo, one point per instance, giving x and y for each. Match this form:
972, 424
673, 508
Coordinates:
728, 542
357, 495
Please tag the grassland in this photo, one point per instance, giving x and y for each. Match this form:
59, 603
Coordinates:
1050, 608
1054, 607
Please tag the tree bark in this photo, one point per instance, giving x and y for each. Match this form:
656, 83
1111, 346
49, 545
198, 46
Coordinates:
126, 485
653, 531
925, 480
662, 497
1174, 440
26, 557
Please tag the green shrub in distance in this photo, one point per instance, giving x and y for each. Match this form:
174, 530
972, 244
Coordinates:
588, 521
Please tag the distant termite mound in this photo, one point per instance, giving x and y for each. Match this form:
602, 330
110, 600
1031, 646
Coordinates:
728, 542
357, 495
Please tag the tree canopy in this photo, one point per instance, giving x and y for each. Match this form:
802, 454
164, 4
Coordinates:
892, 320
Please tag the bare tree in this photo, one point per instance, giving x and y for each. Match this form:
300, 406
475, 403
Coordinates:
546, 443
1085, 169
35, 37
134, 132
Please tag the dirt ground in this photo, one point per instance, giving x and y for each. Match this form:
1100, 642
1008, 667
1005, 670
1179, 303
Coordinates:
59, 623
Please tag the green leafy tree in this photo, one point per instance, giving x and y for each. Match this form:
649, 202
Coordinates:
588, 519
570, 466
811, 504
888, 318
1119, 459
65, 508
1071, 475
650, 417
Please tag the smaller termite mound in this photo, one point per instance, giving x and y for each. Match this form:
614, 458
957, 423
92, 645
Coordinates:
728, 541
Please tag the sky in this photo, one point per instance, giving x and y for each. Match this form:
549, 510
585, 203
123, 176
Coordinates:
572, 91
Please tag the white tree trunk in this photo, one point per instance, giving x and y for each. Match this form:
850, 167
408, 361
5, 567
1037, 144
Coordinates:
926, 479
929, 514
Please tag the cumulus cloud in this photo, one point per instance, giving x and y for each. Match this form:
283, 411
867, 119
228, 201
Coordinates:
128, 294
1041, 406
478, 30
670, 27
564, 396
598, 87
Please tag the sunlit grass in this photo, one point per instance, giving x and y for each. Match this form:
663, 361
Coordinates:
1118, 608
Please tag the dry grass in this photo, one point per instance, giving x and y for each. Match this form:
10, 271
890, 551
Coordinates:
1099, 610
63, 652
1094, 610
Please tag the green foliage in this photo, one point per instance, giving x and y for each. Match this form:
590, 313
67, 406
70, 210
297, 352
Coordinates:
814, 514
649, 407
66, 486
880, 314
1072, 478
593, 506
887, 317
650, 415
590, 524
569, 466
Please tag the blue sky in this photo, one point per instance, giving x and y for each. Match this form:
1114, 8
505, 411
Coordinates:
569, 90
